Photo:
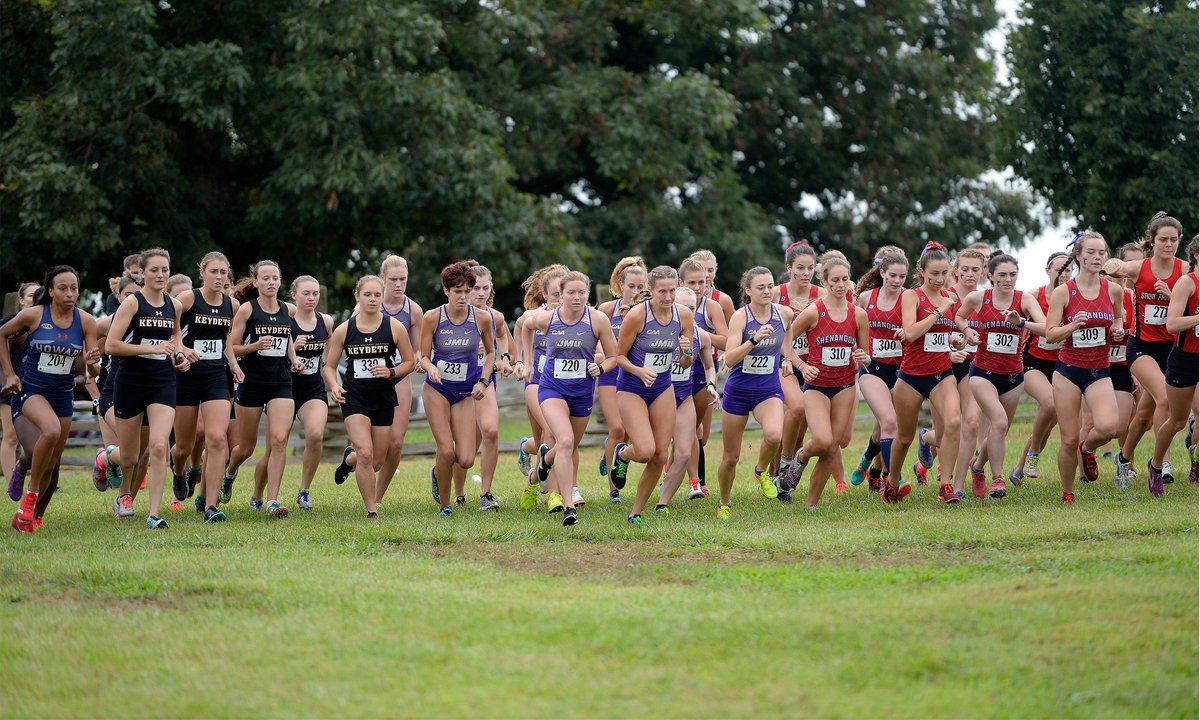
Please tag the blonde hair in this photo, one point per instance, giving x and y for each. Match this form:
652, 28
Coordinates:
576, 276
660, 272
832, 259
703, 255
626, 265
535, 284
1077, 244
689, 266
687, 292
391, 261
176, 280
363, 281
213, 257
309, 278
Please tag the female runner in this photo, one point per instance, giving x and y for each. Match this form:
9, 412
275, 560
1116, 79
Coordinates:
797, 293
1181, 370
542, 291
626, 284
397, 304
709, 322
8, 441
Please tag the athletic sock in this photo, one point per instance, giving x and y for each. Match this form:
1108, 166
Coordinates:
870, 453
885, 449
875, 473
700, 468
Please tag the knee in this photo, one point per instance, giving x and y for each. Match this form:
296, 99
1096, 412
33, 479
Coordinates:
277, 441
366, 456
490, 436
887, 427
52, 434
313, 437
563, 446
659, 456
615, 429
217, 444
952, 423
999, 424
183, 446
1069, 439
464, 457
819, 445
905, 436
157, 447
772, 435
970, 424
729, 462
445, 455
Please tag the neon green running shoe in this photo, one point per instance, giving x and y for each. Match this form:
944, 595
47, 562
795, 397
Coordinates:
529, 497
765, 483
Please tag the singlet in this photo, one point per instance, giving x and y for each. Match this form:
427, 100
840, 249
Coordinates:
481, 351
799, 344
404, 314
1087, 347
1189, 338
831, 346
539, 350
365, 350
1040, 347
683, 379
760, 366
882, 325
205, 329
930, 353
1150, 307
454, 348
970, 350
1118, 352
569, 349
999, 342
149, 325
50, 353
653, 348
311, 353
269, 366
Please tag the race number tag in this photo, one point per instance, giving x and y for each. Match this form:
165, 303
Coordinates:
1045, 344
1087, 337
1117, 354
569, 369
155, 356
680, 374
658, 362
800, 345
758, 364
455, 371
835, 356
278, 347
1155, 315
56, 364
886, 348
362, 367
210, 349
541, 364
310, 365
937, 342
482, 357
1002, 343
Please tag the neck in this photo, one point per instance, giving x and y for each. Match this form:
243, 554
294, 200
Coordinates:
305, 314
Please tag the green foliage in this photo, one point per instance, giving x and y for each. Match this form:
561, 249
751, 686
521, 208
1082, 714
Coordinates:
1102, 117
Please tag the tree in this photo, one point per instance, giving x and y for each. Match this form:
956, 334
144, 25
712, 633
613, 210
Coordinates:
1101, 118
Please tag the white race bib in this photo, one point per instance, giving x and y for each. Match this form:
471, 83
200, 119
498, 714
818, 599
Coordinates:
569, 369
937, 342
758, 364
658, 362
835, 356
886, 348
1117, 354
362, 367
210, 349
155, 356
56, 364
278, 347
680, 374
482, 357
541, 364
1045, 344
1087, 337
1155, 315
1002, 343
456, 371
310, 365
800, 345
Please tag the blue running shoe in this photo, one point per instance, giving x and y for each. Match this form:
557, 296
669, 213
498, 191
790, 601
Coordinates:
156, 523
446, 511
924, 451
524, 461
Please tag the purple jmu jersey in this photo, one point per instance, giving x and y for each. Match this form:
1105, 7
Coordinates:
760, 367
684, 379
404, 314
569, 349
454, 348
654, 348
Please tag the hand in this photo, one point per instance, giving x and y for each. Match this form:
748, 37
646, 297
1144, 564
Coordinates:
301, 339
809, 373
972, 336
647, 376
946, 304
1117, 333
1080, 318
12, 386
381, 370
182, 364
165, 347
958, 341
785, 370
432, 375
1012, 317
899, 334
798, 304
861, 357
339, 394
505, 367
957, 356
478, 390
593, 369
239, 377
264, 342
297, 364
92, 356
713, 395
80, 381
192, 355
1114, 268
1162, 288
763, 331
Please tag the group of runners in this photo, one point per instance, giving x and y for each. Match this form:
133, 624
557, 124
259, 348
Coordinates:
184, 374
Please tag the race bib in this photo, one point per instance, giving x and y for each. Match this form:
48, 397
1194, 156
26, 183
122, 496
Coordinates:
937, 342
1117, 354
210, 349
885, 348
1002, 343
310, 365
55, 364
1155, 315
569, 369
1087, 337
482, 357
455, 371
680, 374
1045, 344
278, 347
362, 367
155, 356
835, 356
658, 362
800, 345
541, 364
758, 364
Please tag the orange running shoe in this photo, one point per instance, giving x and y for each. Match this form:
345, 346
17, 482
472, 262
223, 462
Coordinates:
998, 489
947, 495
978, 481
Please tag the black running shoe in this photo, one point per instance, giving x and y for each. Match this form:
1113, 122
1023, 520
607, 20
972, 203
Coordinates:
570, 517
179, 486
343, 470
543, 470
437, 496
193, 479
620, 468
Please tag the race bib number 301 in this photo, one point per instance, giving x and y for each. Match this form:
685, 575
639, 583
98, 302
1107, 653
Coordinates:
937, 342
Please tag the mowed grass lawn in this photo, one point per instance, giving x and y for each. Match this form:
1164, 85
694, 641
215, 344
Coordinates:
1017, 607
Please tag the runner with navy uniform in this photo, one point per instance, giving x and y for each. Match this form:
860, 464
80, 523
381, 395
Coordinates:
1182, 368
627, 282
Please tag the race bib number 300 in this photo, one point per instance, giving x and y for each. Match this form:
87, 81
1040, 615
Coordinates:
886, 348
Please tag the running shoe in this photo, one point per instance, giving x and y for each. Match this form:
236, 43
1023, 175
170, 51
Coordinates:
765, 483
1155, 480
226, 489
859, 473
21, 525
723, 512
1068, 498
433, 486
614, 496
603, 467
695, 493
193, 476
123, 506
620, 468
16, 483
576, 498
947, 495
99, 481
554, 503
113, 471
488, 502
275, 511
372, 514
543, 470
256, 504
903, 489
570, 517
156, 523
460, 500
1122, 477
633, 519
1168, 472
960, 495
840, 488
662, 509
889, 495
524, 461
528, 497
1031, 465
304, 500
1189, 438
978, 481
998, 490
924, 450
1015, 478
703, 488
175, 505
38, 524
179, 487
213, 515
1192, 478
199, 502
343, 469
1090, 470
874, 478
921, 472
26, 509
789, 478
446, 511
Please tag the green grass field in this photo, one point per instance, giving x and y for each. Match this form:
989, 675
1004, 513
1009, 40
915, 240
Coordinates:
1018, 607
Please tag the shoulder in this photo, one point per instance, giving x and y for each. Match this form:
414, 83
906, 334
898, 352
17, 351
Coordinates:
327, 319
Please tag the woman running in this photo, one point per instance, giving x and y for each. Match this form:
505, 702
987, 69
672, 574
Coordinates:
710, 317
1039, 359
58, 336
542, 291
797, 293
1149, 342
573, 332
757, 338
202, 393
9, 467
993, 321
651, 333
145, 335
454, 378
108, 458
1182, 368
926, 372
626, 284
837, 333
371, 342
709, 323
262, 337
